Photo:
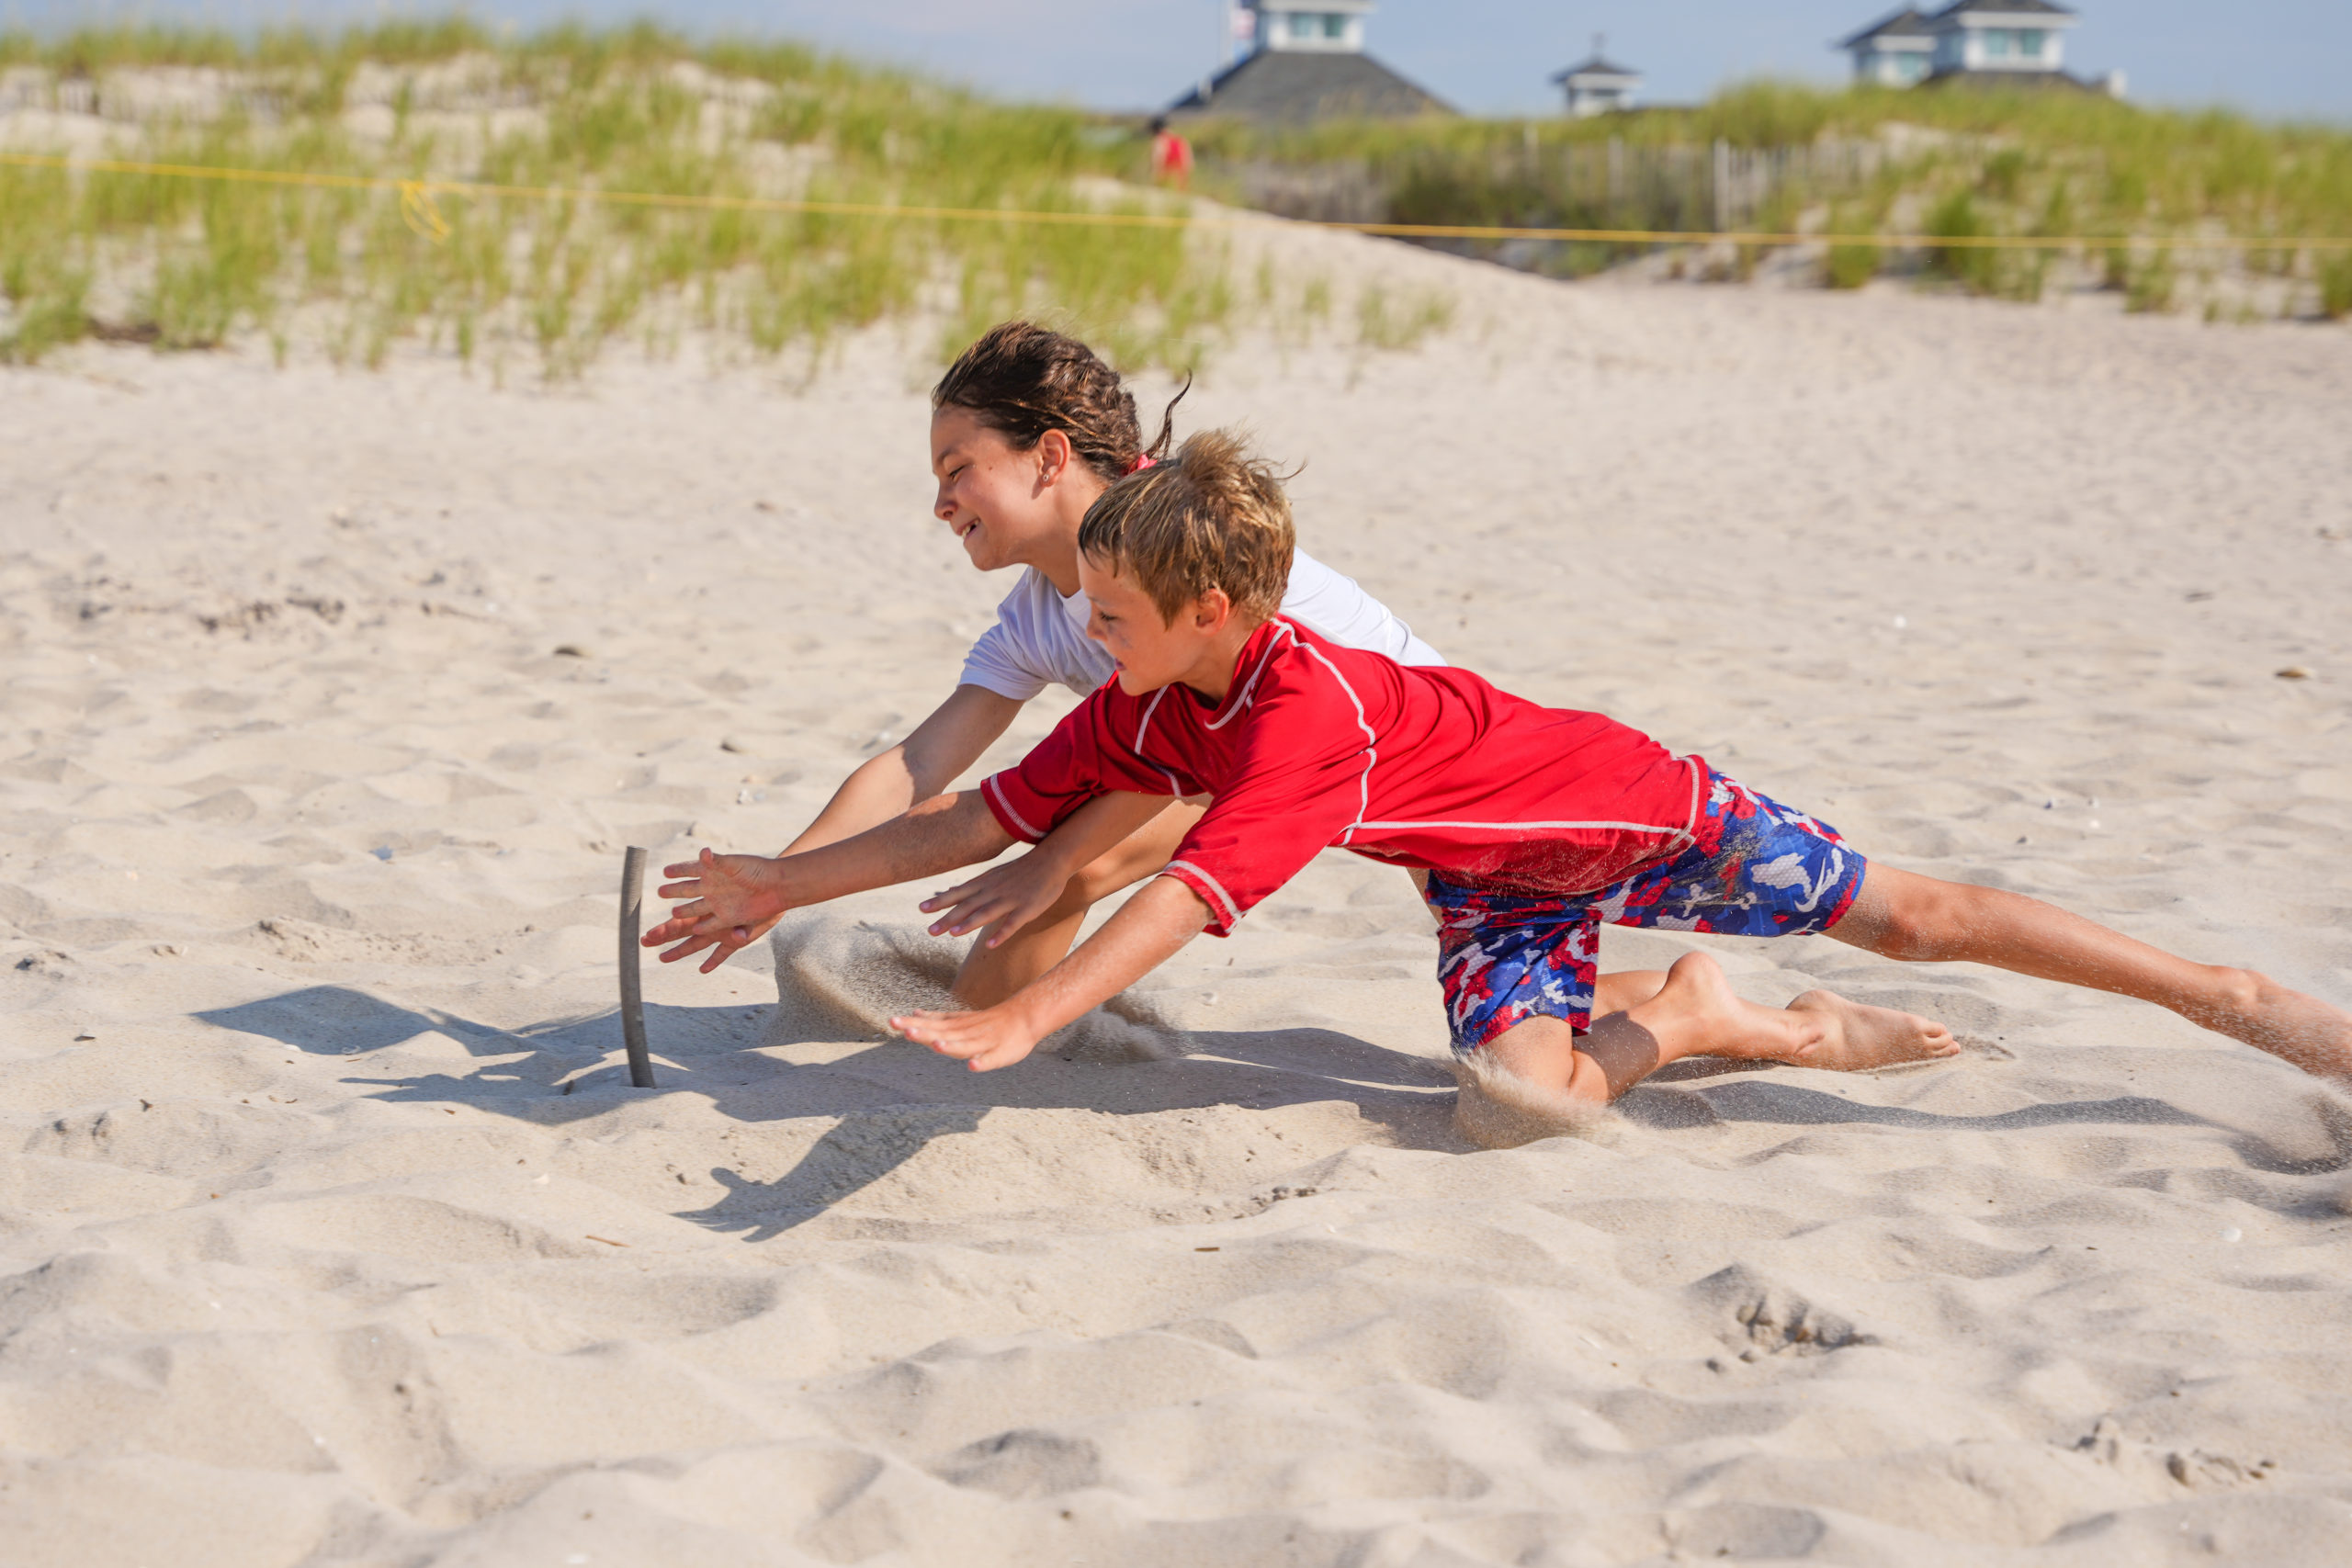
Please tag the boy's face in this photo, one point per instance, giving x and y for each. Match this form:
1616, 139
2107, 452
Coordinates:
991, 494
1152, 652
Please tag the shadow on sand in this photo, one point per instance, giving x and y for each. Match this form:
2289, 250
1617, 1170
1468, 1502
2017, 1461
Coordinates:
886, 1099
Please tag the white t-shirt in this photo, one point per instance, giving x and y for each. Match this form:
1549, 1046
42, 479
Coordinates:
1040, 637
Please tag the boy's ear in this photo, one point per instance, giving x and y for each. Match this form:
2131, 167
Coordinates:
1212, 610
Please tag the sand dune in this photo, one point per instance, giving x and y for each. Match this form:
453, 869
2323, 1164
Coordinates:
329, 1233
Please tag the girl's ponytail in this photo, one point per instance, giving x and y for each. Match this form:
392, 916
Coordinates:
1166, 440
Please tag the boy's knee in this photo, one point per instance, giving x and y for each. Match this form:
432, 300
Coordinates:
1909, 932
1497, 1109
2240, 991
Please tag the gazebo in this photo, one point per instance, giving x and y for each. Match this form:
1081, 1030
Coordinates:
1305, 60
1596, 86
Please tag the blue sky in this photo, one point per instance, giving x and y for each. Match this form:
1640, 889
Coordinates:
2273, 57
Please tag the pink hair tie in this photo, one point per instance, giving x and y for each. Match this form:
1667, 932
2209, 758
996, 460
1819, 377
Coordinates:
1140, 464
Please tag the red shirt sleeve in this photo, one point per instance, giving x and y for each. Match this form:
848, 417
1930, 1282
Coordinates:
1081, 758
1296, 785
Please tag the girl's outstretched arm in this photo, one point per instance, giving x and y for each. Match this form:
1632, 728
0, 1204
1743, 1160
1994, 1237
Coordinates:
725, 896
1149, 929
883, 786
934, 753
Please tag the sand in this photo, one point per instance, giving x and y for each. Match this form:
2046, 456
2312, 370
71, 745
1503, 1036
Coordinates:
330, 1234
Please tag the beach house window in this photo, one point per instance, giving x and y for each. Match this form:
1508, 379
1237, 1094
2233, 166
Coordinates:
2029, 42
1998, 42
1304, 24
1335, 25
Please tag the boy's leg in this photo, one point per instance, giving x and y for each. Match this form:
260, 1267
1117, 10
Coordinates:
1625, 990
1899, 914
1695, 1013
1520, 983
1539, 1079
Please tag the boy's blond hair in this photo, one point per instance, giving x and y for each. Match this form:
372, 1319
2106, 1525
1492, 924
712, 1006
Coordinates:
1211, 516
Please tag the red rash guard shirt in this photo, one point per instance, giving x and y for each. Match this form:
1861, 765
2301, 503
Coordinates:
1318, 745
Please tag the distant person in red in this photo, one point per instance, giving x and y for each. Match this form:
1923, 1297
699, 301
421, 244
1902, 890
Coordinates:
1172, 156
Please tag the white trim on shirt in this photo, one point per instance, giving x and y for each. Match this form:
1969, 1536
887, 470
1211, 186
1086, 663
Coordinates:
1232, 910
1370, 743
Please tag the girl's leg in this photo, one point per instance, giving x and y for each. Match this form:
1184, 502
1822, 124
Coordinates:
991, 975
1899, 914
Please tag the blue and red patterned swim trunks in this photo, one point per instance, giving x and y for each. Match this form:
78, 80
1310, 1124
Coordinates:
1757, 868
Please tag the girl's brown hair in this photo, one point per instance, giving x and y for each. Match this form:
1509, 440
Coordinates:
1023, 379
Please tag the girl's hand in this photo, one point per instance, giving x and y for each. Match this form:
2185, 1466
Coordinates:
1006, 897
728, 899
988, 1039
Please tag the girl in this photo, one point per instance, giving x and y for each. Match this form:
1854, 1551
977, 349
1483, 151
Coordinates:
1028, 428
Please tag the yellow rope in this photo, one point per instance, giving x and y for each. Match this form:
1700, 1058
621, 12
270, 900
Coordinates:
418, 210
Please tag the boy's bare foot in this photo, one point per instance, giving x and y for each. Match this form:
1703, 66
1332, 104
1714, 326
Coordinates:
1697, 1013
2291, 1026
1820, 1029
1848, 1037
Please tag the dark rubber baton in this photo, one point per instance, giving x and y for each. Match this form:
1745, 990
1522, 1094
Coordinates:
640, 1064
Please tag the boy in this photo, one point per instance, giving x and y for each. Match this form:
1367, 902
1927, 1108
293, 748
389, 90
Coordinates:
1535, 825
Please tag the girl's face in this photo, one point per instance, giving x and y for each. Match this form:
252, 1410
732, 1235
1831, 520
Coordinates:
1000, 501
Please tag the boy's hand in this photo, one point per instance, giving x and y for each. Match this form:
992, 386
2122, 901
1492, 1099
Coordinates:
992, 1038
728, 898
1006, 897
728, 942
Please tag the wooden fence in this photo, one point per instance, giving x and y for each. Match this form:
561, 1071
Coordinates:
1595, 184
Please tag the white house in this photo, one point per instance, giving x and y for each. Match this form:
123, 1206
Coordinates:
2027, 36
1595, 86
1995, 43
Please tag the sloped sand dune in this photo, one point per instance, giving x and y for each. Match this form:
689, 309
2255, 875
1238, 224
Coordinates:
328, 1235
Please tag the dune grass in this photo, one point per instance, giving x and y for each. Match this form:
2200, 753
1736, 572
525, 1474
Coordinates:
2061, 164
189, 263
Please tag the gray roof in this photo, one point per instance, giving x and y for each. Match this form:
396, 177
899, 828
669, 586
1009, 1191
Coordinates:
1905, 23
1597, 66
1995, 77
1297, 85
2007, 8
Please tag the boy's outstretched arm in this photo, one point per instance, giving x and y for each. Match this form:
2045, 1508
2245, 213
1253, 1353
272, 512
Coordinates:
728, 894
1148, 929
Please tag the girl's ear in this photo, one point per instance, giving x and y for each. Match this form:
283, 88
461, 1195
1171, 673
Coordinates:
1054, 456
